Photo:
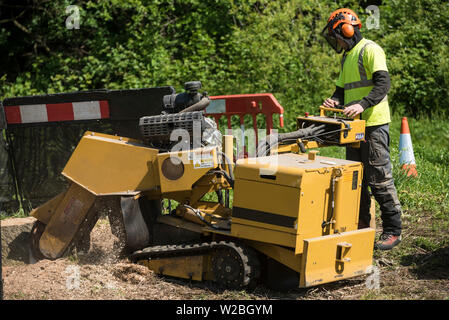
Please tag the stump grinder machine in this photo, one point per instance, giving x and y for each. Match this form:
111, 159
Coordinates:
288, 214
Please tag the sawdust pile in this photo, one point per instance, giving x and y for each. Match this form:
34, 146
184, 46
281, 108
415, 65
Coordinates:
97, 274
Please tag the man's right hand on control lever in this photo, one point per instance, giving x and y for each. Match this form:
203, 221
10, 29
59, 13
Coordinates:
330, 103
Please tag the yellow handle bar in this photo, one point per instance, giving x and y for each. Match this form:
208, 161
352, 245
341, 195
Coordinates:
323, 109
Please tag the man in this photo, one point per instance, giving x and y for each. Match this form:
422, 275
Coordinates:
362, 88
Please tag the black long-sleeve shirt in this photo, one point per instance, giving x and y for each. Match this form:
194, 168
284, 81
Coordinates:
381, 82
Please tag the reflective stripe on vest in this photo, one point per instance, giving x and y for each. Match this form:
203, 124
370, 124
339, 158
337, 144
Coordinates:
364, 82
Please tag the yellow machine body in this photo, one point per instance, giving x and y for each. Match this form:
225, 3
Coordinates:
298, 209
305, 203
105, 165
291, 204
349, 131
345, 131
69, 211
335, 257
192, 267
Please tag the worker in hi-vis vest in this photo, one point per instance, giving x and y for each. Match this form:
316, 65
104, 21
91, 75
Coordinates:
362, 88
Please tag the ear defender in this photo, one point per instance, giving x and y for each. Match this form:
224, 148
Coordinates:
347, 30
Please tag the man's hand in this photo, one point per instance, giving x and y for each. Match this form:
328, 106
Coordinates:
353, 110
329, 103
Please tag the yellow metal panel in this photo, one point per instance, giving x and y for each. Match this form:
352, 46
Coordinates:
286, 169
213, 208
228, 149
266, 197
262, 225
335, 257
347, 199
44, 212
281, 169
372, 212
196, 163
273, 203
66, 221
355, 134
316, 200
191, 267
105, 164
244, 231
314, 204
259, 212
285, 256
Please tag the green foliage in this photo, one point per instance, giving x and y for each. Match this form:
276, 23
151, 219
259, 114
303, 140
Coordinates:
426, 244
232, 46
416, 44
18, 214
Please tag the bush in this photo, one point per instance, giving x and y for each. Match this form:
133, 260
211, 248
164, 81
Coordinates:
232, 46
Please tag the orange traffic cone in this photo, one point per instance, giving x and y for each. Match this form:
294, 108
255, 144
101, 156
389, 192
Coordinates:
406, 156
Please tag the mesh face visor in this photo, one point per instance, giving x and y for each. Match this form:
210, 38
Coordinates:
331, 36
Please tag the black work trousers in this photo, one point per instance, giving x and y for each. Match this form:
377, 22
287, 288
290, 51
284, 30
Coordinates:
374, 153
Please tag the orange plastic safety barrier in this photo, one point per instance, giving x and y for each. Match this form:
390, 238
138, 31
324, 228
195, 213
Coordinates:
246, 104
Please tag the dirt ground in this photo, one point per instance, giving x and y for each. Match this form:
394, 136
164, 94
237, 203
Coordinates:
98, 274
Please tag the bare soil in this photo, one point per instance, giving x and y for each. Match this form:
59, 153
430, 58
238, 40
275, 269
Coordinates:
411, 273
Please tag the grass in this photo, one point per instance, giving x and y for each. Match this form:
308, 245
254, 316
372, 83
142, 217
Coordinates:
429, 192
73, 258
18, 214
426, 243
425, 199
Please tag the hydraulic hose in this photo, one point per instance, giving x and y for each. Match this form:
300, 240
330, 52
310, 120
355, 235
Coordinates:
201, 105
301, 133
199, 213
227, 177
308, 132
228, 163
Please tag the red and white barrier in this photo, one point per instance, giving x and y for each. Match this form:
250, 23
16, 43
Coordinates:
38, 113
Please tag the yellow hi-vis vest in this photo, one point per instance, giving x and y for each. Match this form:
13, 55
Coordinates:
357, 68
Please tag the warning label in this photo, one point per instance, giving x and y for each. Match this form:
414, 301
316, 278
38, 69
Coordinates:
202, 158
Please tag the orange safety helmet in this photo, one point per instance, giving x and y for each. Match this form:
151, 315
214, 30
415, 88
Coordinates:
341, 25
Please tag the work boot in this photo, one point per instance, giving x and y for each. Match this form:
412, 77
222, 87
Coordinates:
387, 241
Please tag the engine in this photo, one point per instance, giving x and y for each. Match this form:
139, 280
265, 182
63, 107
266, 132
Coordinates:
182, 121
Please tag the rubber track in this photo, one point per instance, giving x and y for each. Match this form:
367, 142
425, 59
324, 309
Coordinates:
247, 256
